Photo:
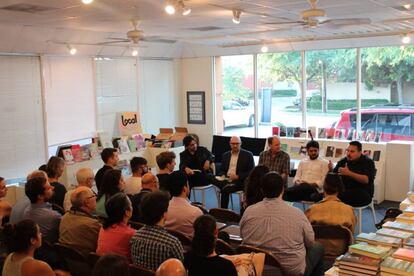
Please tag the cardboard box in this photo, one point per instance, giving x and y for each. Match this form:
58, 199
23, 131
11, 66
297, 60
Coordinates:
180, 133
165, 134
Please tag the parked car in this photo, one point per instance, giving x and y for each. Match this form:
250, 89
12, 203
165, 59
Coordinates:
235, 114
395, 122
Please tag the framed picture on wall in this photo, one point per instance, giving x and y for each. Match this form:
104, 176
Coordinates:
196, 107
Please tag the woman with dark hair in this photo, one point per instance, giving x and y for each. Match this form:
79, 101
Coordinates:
253, 187
112, 183
110, 265
202, 259
54, 170
115, 233
5, 207
22, 240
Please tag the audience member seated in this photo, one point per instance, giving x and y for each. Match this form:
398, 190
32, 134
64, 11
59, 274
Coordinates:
112, 183
23, 239
85, 178
152, 244
181, 214
166, 164
171, 267
195, 162
55, 167
149, 184
39, 191
115, 233
111, 265
236, 165
110, 158
282, 229
78, 228
276, 159
309, 177
331, 211
202, 260
253, 191
358, 174
138, 168
5, 207
22, 204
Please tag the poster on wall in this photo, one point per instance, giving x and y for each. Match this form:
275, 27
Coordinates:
129, 123
196, 107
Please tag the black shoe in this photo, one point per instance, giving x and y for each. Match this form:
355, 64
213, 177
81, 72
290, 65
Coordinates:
229, 188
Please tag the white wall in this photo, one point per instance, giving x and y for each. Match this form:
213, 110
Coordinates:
197, 75
69, 97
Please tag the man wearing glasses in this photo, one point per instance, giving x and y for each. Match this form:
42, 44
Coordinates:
85, 178
236, 165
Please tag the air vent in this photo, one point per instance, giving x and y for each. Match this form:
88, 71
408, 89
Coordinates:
28, 8
205, 29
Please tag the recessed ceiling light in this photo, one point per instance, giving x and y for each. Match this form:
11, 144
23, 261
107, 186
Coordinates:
72, 50
169, 8
264, 49
407, 6
134, 52
87, 2
406, 39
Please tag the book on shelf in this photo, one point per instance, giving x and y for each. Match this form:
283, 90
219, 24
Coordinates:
104, 139
94, 151
67, 155
394, 233
360, 261
399, 226
351, 269
374, 239
409, 243
123, 145
132, 145
404, 218
405, 203
321, 132
409, 210
404, 254
77, 154
376, 252
397, 266
85, 152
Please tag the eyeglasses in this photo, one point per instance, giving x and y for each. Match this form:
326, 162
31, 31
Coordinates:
234, 144
92, 196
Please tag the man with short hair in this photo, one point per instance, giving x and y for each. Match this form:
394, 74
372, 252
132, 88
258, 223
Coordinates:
310, 176
236, 165
195, 162
358, 173
181, 214
39, 191
274, 225
171, 267
276, 159
110, 158
79, 229
149, 184
85, 178
152, 244
166, 164
139, 168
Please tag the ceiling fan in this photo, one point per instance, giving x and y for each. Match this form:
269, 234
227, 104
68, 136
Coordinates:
314, 17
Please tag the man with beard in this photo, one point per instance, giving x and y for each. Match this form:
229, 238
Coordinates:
310, 176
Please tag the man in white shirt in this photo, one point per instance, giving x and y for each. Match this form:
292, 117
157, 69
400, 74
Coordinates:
139, 168
85, 178
310, 176
181, 214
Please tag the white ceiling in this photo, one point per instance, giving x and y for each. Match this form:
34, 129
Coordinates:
71, 22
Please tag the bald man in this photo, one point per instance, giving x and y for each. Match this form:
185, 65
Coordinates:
171, 267
85, 178
236, 165
149, 184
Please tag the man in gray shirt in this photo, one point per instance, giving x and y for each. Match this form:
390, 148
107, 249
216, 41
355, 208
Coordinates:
282, 229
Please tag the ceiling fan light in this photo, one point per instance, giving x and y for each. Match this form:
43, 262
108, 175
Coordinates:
87, 2
406, 39
236, 16
73, 51
170, 9
186, 11
264, 49
134, 53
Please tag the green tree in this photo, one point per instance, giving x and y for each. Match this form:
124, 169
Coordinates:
233, 83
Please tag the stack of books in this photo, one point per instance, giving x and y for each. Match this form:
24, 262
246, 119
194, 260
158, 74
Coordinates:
409, 201
401, 263
406, 227
376, 239
355, 264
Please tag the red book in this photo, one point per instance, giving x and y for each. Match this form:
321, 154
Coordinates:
404, 254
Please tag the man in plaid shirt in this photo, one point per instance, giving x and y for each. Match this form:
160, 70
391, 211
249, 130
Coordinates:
152, 244
276, 159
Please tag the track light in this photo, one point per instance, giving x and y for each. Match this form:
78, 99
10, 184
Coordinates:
72, 50
406, 39
236, 16
87, 2
134, 53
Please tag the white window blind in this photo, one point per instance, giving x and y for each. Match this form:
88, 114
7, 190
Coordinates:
22, 143
116, 91
70, 98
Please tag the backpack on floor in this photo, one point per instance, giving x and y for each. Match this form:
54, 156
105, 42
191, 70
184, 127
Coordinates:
390, 215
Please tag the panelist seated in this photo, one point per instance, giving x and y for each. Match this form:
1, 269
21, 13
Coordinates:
358, 173
195, 162
309, 176
236, 165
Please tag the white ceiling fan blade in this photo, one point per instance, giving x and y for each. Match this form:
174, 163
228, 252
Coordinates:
301, 22
338, 23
